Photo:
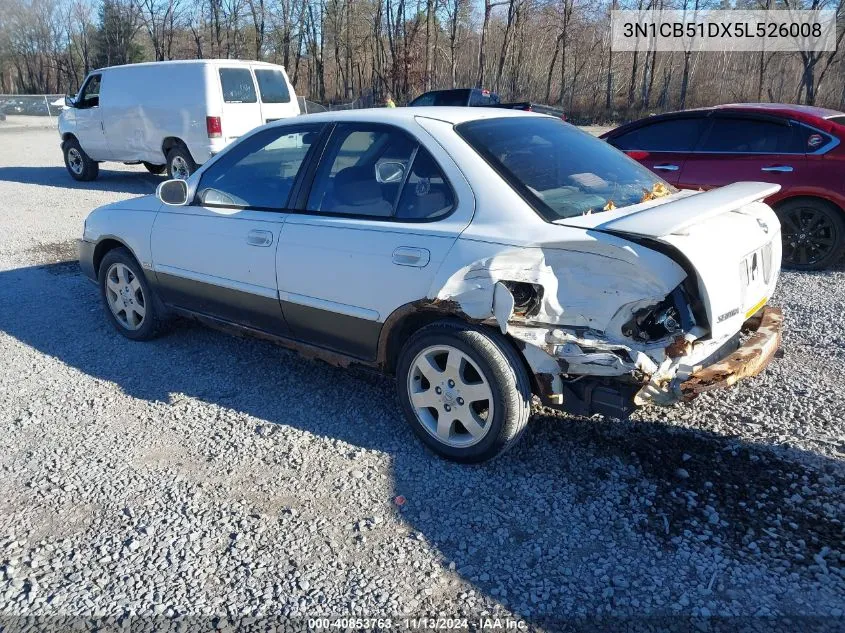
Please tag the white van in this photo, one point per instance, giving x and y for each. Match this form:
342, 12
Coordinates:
169, 116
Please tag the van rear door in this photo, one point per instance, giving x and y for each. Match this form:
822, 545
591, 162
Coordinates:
275, 92
241, 109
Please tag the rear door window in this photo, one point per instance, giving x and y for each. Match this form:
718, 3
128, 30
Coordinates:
426, 194
362, 170
673, 135
272, 85
741, 135
382, 172
237, 85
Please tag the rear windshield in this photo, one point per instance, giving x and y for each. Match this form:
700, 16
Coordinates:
272, 86
561, 171
483, 98
237, 85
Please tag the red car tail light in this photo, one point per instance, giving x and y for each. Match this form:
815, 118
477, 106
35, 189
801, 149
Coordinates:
214, 126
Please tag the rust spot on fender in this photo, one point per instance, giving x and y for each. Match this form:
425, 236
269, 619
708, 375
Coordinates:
444, 307
749, 360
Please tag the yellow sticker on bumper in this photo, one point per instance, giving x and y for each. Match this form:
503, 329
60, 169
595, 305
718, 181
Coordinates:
756, 307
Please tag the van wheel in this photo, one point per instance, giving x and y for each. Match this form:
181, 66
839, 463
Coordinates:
464, 390
813, 233
180, 164
158, 170
79, 164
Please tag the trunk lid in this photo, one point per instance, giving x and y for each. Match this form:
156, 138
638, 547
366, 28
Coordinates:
728, 236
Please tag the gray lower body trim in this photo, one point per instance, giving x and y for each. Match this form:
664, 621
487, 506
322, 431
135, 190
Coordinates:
245, 308
343, 333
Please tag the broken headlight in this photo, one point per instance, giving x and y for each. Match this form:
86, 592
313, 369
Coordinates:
669, 317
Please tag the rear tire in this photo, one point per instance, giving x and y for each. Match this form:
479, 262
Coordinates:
128, 299
180, 163
79, 165
158, 170
464, 391
813, 233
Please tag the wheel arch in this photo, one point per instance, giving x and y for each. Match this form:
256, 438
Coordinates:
170, 142
811, 197
106, 244
412, 317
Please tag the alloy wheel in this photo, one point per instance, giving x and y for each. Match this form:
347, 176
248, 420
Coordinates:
125, 296
451, 396
179, 168
74, 160
808, 235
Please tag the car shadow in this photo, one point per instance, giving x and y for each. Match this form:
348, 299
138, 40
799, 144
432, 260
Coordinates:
131, 182
538, 530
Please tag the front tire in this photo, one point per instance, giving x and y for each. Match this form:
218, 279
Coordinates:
127, 297
79, 165
464, 391
813, 233
180, 163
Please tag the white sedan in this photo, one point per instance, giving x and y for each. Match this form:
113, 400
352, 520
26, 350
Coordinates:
481, 256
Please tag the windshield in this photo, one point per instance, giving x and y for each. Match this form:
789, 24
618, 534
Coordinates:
561, 171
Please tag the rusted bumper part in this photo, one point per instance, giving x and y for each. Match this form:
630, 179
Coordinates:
749, 360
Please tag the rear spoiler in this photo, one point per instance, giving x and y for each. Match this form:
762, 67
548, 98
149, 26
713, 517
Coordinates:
667, 216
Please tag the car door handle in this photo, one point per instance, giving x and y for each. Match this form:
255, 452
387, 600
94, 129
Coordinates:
259, 238
785, 169
411, 256
667, 167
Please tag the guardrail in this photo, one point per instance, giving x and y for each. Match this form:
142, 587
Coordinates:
31, 105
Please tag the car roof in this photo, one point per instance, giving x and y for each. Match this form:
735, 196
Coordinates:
448, 114
190, 62
811, 115
783, 108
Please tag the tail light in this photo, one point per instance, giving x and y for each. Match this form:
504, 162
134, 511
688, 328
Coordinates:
214, 126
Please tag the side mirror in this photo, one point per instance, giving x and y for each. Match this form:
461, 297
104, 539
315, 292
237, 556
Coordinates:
70, 102
173, 193
390, 171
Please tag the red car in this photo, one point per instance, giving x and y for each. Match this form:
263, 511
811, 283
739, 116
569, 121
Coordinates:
797, 147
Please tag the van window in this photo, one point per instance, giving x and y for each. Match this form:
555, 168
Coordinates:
237, 85
90, 95
272, 86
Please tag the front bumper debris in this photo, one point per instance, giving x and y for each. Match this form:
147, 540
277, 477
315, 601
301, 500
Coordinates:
750, 359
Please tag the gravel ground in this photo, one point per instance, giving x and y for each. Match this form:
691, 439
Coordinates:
204, 474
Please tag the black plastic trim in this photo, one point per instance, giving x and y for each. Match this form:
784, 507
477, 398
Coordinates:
251, 310
349, 335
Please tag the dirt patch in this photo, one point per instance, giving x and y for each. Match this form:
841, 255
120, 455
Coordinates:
59, 258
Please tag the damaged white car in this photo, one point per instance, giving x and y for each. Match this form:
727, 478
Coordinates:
481, 256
